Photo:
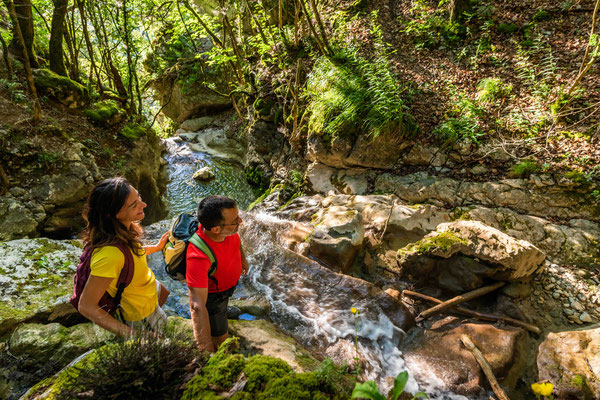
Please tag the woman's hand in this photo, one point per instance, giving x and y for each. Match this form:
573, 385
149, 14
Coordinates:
160, 245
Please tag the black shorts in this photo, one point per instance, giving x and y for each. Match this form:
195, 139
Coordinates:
216, 305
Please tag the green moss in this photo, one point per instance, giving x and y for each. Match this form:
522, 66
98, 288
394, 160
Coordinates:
576, 176
102, 112
578, 380
261, 369
461, 213
133, 131
46, 79
524, 169
442, 241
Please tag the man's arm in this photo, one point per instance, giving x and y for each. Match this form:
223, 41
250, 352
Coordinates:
200, 319
245, 265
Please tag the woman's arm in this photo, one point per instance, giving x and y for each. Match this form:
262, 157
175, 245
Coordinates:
94, 289
160, 245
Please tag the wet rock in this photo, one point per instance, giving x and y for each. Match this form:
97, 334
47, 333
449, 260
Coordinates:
571, 362
218, 142
204, 174
509, 259
438, 355
337, 237
585, 317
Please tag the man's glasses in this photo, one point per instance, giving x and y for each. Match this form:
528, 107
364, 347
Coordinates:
236, 223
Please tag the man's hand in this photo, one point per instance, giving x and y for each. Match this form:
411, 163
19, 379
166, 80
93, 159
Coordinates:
245, 265
200, 320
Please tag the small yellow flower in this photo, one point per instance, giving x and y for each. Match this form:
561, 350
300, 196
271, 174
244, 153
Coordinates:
353, 310
542, 388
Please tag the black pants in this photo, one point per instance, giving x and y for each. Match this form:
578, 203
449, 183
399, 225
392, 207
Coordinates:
216, 305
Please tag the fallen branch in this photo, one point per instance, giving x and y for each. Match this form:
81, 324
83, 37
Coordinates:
457, 300
485, 366
475, 314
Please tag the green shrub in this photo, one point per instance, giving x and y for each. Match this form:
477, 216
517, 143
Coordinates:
348, 95
524, 169
462, 121
430, 27
145, 367
490, 89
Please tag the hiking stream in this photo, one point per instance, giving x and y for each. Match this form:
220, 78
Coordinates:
307, 301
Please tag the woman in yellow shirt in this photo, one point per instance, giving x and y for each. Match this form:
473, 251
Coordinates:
112, 212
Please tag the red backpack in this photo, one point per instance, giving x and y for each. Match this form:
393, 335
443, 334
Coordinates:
107, 302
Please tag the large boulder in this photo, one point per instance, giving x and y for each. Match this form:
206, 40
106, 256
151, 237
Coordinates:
55, 344
337, 238
438, 360
571, 362
493, 254
60, 88
36, 276
181, 102
219, 142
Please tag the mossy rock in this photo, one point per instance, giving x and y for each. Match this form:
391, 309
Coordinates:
442, 241
104, 113
133, 131
61, 88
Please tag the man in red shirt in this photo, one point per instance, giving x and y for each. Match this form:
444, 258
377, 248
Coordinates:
219, 221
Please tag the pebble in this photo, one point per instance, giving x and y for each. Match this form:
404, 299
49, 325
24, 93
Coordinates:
568, 311
549, 286
577, 306
581, 297
555, 295
585, 317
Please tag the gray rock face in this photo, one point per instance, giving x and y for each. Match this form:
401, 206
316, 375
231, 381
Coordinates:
195, 124
505, 258
535, 196
36, 277
217, 142
571, 362
381, 152
182, 103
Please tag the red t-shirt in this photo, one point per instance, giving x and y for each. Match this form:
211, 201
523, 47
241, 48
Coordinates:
228, 256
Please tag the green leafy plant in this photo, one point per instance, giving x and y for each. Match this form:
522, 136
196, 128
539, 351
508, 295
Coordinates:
430, 27
369, 390
462, 121
491, 89
525, 169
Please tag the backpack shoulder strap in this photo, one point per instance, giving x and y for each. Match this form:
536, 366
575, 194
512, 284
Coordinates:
126, 273
205, 248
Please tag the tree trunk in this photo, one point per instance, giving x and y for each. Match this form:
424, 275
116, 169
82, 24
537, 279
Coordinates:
88, 44
456, 9
24, 15
37, 108
57, 63
130, 67
9, 70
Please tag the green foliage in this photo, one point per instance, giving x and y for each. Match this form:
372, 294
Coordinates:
349, 95
430, 26
369, 390
541, 15
144, 367
261, 369
16, 91
257, 179
490, 89
133, 131
462, 121
524, 169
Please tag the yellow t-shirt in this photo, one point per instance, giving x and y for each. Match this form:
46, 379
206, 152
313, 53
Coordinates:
139, 298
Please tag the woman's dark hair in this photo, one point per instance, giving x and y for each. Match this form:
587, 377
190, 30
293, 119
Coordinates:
209, 210
100, 213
